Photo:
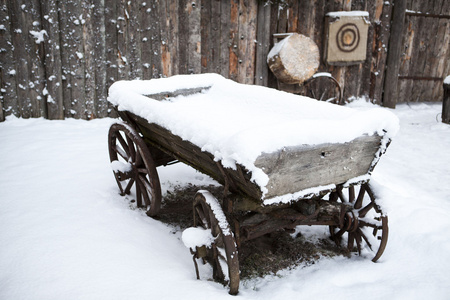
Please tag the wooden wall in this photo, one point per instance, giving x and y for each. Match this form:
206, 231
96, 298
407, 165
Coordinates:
89, 44
425, 58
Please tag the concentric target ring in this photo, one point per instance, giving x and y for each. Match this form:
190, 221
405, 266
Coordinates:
348, 37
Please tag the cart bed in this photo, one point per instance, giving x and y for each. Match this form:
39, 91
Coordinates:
268, 145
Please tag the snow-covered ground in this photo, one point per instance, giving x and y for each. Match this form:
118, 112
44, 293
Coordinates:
65, 233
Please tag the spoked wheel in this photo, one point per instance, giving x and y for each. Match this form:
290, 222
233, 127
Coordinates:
323, 87
132, 164
364, 227
222, 253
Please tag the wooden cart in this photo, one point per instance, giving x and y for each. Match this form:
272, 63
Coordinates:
326, 184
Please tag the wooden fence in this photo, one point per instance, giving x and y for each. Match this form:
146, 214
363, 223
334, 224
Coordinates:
58, 57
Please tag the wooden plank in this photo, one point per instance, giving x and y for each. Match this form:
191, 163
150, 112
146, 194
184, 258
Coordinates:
226, 45
98, 24
123, 52
36, 60
293, 16
111, 49
405, 86
72, 57
282, 17
26, 57
164, 23
88, 52
135, 39
247, 37
146, 42
174, 48
216, 37
156, 40
263, 38
431, 60
234, 40
441, 51
393, 58
183, 39
8, 94
366, 71
53, 70
206, 39
272, 81
419, 53
297, 168
381, 23
194, 45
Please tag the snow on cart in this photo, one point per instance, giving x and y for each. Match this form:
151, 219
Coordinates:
284, 160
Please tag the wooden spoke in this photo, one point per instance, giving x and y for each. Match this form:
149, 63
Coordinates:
223, 249
127, 146
363, 220
365, 238
366, 209
124, 145
360, 199
351, 194
121, 152
145, 195
138, 194
129, 186
131, 149
138, 158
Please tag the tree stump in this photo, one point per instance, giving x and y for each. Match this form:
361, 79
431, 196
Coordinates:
294, 59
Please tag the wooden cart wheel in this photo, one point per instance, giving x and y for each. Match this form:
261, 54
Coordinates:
323, 87
209, 215
133, 165
364, 226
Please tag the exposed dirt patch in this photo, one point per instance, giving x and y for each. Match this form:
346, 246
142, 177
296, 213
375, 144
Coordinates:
262, 256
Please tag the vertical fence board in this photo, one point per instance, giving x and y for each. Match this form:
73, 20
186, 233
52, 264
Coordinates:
379, 49
156, 40
8, 95
71, 19
146, 41
234, 40
28, 67
206, 39
53, 71
173, 21
183, 39
123, 62
247, 37
225, 41
164, 33
194, 45
111, 49
216, 36
263, 45
88, 53
98, 24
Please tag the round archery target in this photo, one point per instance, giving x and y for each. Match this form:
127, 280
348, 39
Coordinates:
347, 37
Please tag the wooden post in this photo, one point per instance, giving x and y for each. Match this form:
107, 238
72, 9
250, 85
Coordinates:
446, 101
393, 59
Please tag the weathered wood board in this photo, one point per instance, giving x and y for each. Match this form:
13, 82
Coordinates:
298, 168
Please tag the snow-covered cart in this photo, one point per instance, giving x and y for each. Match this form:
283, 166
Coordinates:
284, 160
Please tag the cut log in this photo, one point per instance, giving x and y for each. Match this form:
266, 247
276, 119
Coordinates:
294, 59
